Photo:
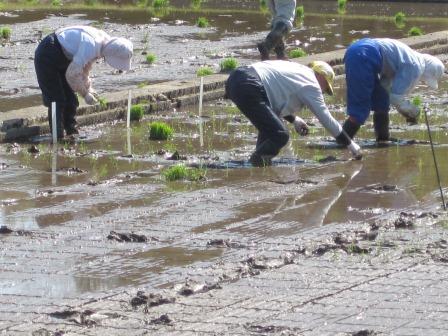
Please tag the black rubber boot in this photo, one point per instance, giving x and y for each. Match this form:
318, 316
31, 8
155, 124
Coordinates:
59, 122
350, 127
258, 160
70, 121
274, 38
280, 51
381, 126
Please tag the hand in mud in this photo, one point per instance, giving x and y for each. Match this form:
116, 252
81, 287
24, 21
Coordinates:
91, 97
301, 127
356, 150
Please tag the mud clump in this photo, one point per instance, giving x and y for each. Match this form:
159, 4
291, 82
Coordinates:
327, 159
177, 157
364, 332
3, 165
81, 318
259, 329
263, 263
163, 319
127, 237
403, 223
5, 230
224, 243
191, 287
296, 181
73, 170
151, 300
382, 188
33, 150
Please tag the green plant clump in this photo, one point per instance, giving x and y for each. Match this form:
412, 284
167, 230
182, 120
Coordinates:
228, 64
151, 58
160, 3
417, 101
296, 53
415, 31
263, 5
342, 6
5, 33
103, 102
399, 18
202, 22
91, 3
196, 3
160, 131
204, 71
180, 172
300, 13
137, 112
56, 3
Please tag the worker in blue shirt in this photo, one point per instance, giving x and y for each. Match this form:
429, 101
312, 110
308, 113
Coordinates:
380, 72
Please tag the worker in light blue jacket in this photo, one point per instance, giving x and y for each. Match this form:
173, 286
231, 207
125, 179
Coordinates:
380, 72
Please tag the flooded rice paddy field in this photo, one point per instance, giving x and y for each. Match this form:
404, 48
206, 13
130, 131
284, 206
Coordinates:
181, 47
99, 215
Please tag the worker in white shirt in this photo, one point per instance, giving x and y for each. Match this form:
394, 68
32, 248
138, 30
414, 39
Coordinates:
63, 61
267, 91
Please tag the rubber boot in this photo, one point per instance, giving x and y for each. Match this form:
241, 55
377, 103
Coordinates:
258, 160
381, 126
70, 121
280, 51
350, 127
59, 122
274, 38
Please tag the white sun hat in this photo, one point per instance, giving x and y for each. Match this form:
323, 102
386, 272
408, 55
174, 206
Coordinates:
434, 69
118, 53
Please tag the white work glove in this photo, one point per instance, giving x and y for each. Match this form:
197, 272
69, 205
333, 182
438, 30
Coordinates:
355, 149
91, 97
300, 126
408, 110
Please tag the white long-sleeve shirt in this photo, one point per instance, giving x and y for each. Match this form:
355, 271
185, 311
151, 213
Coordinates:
82, 45
291, 86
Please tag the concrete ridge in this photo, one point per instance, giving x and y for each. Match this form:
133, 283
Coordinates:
23, 123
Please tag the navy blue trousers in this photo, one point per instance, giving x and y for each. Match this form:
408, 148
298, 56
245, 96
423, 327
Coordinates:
246, 90
51, 65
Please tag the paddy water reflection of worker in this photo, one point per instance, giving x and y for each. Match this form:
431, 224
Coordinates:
380, 72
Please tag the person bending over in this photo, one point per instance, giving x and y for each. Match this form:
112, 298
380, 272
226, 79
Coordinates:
380, 72
267, 91
63, 60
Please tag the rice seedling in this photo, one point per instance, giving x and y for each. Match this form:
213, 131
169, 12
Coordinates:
342, 6
102, 102
415, 31
417, 101
160, 3
142, 84
160, 131
300, 13
228, 64
196, 3
296, 53
399, 19
137, 112
202, 22
56, 3
204, 71
5, 33
91, 3
263, 5
151, 58
181, 172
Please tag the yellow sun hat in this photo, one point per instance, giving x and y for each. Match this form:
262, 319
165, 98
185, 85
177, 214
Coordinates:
326, 71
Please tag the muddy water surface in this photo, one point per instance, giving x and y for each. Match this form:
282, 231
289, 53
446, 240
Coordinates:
67, 206
97, 215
